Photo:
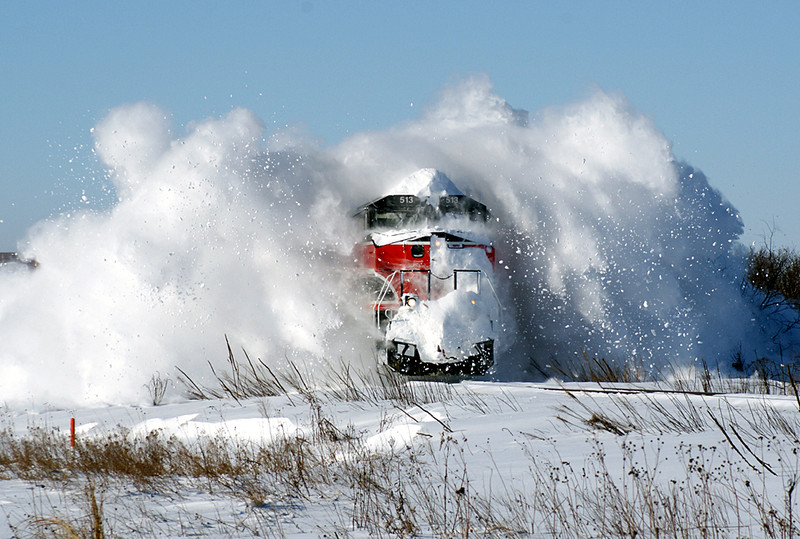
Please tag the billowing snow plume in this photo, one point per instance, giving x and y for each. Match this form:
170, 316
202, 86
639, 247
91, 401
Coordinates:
212, 236
605, 244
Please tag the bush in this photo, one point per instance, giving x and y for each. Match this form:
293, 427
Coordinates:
775, 273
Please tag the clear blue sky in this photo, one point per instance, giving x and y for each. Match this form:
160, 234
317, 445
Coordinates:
720, 79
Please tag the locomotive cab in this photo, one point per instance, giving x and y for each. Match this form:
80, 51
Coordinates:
405, 211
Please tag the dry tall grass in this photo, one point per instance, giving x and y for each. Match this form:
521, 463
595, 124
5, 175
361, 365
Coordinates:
428, 489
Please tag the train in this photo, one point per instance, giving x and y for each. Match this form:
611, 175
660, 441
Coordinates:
13, 259
427, 266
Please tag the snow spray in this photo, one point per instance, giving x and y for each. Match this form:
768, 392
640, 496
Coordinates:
605, 244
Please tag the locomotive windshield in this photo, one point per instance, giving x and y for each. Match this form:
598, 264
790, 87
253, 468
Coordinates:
403, 211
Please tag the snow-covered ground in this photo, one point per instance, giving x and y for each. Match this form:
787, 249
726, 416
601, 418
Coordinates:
470, 458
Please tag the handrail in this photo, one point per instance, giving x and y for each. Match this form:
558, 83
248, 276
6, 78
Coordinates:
381, 296
494, 292
487, 279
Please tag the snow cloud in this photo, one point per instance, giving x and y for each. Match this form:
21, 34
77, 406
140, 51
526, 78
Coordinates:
607, 244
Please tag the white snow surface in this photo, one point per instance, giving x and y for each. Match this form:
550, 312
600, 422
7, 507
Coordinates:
427, 184
500, 441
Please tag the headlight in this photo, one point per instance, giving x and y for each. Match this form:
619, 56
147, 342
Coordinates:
410, 300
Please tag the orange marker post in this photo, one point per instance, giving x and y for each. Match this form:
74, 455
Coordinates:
72, 432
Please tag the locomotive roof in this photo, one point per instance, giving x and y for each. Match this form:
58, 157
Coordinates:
428, 186
426, 183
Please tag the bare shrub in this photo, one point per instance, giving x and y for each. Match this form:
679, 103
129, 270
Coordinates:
157, 388
776, 272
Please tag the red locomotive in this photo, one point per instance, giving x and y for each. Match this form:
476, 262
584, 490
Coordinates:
428, 267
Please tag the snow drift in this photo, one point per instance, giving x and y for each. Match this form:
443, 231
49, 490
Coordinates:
605, 242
